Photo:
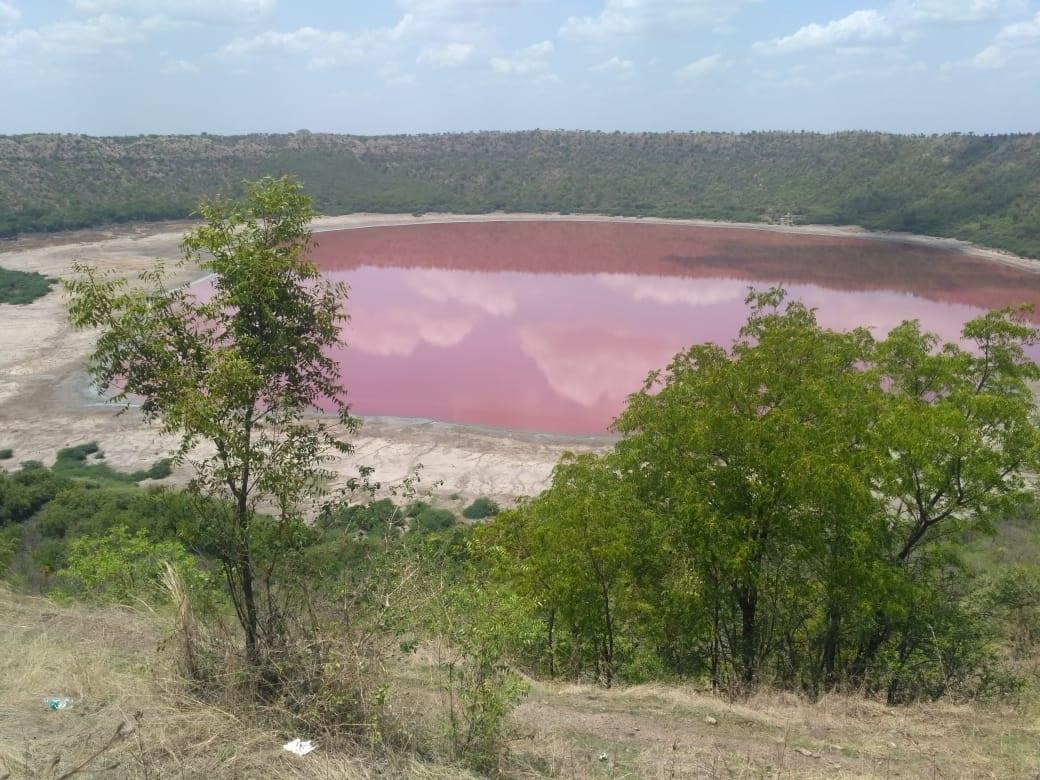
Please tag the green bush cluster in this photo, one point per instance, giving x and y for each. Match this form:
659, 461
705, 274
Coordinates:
83, 461
22, 287
481, 509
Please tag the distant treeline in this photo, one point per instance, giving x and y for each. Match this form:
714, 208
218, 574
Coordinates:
980, 188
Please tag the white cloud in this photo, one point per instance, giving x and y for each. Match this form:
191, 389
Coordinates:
615, 65
1027, 31
951, 11
74, 38
531, 60
517, 67
541, 49
179, 68
449, 55
8, 12
714, 63
1013, 43
321, 49
394, 76
460, 7
181, 10
860, 29
635, 17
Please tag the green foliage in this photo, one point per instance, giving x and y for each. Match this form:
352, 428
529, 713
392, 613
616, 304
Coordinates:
428, 519
127, 568
480, 509
75, 462
6, 453
784, 512
10, 541
373, 517
979, 188
239, 371
26, 491
22, 287
477, 624
85, 510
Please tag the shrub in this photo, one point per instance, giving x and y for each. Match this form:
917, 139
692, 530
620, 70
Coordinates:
480, 509
22, 287
26, 491
374, 516
6, 453
127, 568
74, 462
428, 519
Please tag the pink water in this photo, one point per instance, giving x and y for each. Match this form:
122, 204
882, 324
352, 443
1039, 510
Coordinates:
548, 326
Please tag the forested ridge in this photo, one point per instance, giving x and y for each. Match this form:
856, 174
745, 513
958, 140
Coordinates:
984, 189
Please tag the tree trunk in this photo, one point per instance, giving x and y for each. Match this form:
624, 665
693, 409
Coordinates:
245, 559
608, 642
749, 635
251, 622
552, 647
831, 638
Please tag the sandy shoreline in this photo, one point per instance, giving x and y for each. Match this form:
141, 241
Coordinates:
43, 408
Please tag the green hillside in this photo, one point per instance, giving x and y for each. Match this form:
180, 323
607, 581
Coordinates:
980, 188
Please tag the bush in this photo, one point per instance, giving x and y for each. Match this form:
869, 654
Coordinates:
22, 287
128, 568
6, 453
26, 491
428, 519
480, 509
374, 516
74, 462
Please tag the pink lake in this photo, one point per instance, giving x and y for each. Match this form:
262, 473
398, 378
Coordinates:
548, 325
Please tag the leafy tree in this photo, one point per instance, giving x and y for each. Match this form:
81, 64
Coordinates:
757, 456
235, 372
789, 510
575, 553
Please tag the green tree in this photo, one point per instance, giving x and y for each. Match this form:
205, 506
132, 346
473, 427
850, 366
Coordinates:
789, 510
757, 457
235, 372
578, 553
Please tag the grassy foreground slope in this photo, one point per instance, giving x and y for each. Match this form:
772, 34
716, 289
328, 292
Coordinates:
979, 188
105, 660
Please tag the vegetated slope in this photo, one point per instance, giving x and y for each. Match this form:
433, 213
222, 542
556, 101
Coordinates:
980, 188
105, 660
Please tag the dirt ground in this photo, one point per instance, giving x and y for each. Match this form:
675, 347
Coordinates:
45, 403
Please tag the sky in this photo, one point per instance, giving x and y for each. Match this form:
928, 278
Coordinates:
119, 67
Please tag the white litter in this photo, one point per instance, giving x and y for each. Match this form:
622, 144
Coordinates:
300, 747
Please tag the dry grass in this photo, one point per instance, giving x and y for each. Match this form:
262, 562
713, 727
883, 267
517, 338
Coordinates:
108, 661
658, 731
